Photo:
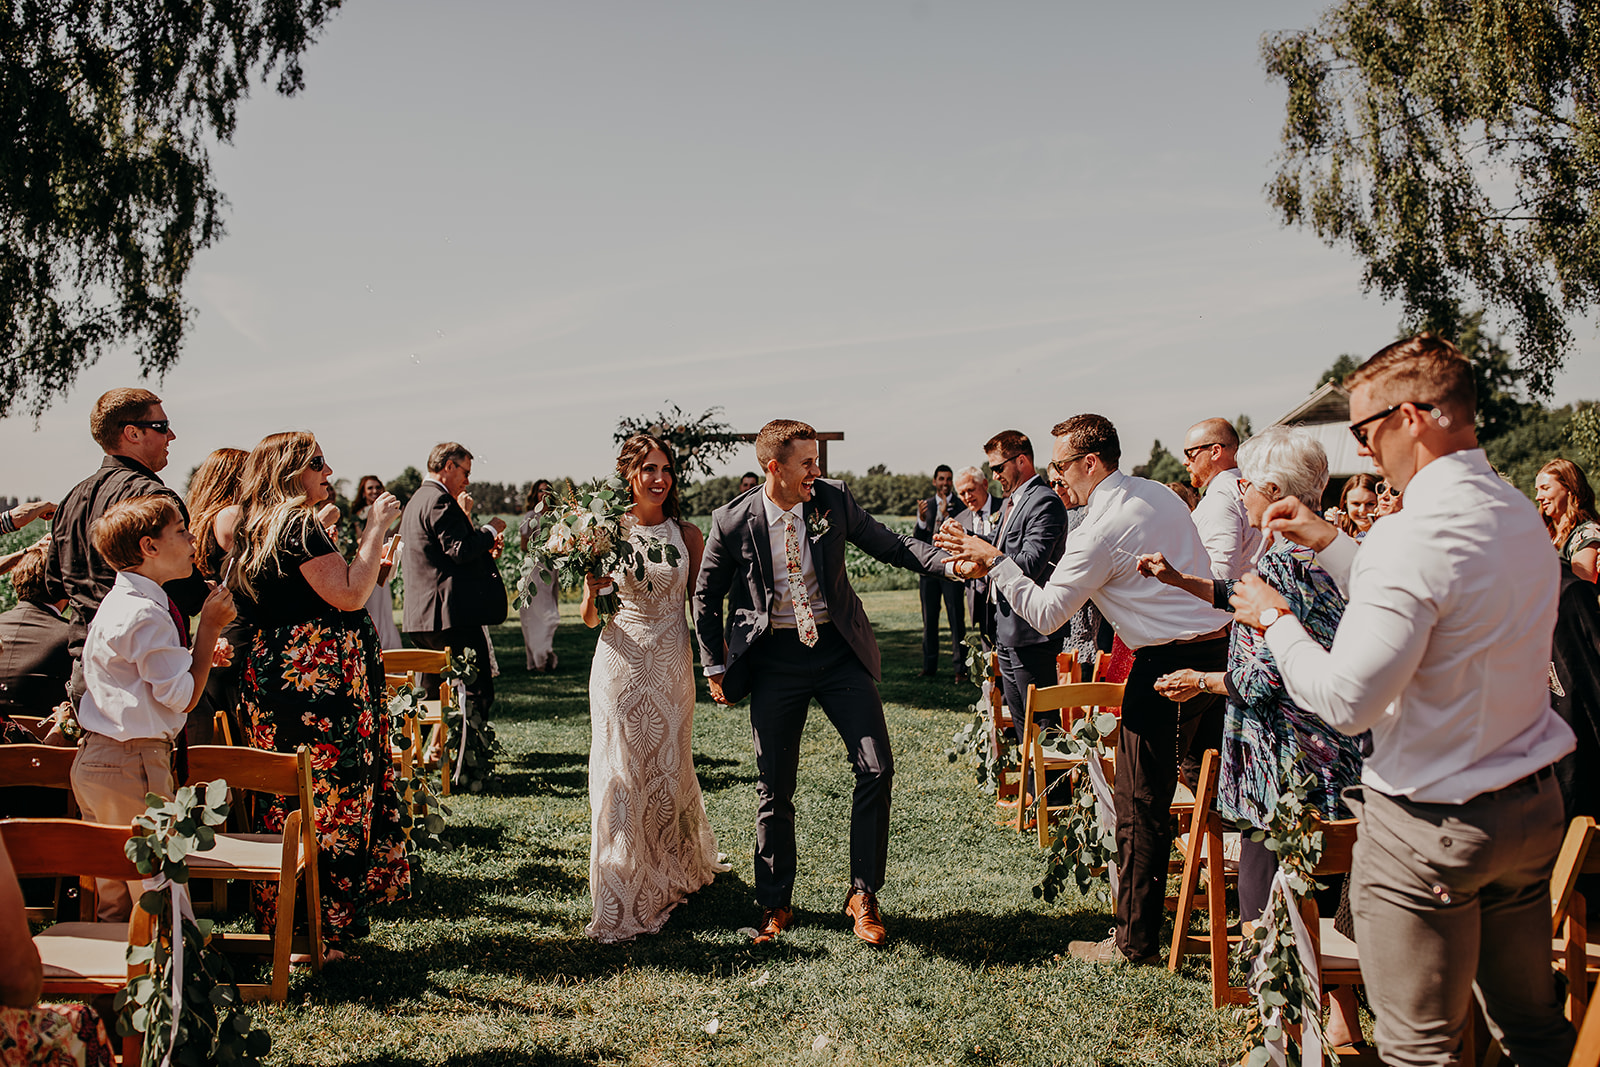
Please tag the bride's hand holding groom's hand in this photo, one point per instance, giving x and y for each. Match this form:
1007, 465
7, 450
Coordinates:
714, 683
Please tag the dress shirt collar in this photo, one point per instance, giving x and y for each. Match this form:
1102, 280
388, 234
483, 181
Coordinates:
1100, 496
114, 460
145, 587
1436, 477
775, 514
436, 480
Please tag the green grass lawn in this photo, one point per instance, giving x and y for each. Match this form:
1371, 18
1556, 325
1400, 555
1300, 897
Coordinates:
488, 963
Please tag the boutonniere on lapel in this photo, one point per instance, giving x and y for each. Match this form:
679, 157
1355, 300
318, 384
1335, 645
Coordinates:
817, 524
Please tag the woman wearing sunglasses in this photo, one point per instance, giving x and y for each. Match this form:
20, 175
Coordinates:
1389, 500
312, 675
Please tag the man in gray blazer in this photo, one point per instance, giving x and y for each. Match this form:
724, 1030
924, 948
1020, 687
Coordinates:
796, 630
1033, 530
440, 545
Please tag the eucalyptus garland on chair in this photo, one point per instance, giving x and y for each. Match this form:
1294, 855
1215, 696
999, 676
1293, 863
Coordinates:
469, 760
212, 1025
1284, 982
424, 816
975, 739
1083, 845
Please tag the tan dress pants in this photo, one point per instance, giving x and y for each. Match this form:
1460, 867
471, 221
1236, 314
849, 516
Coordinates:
110, 779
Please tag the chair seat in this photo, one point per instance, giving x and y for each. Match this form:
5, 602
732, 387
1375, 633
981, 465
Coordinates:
84, 951
243, 856
1339, 953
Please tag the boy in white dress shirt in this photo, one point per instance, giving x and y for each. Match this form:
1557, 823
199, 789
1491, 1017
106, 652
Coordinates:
140, 678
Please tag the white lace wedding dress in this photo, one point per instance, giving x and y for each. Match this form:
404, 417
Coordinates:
651, 844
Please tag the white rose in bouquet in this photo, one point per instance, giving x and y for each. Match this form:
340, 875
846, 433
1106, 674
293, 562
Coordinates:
561, 540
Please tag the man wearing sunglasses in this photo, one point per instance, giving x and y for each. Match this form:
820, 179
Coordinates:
1032, 529
1168, 629
1443, 652
133, 431
1224, 525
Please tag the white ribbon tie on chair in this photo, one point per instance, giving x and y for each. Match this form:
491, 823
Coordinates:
1108, 810
181, 909
461, 709
1311, 1029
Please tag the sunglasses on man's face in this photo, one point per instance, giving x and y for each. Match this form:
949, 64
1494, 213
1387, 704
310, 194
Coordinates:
1359, 432
158, 425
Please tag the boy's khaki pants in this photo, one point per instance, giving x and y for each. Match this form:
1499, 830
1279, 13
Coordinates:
110, 779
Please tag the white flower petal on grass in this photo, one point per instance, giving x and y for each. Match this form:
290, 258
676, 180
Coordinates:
766, 976
819, 1042
713, 1026
749, 931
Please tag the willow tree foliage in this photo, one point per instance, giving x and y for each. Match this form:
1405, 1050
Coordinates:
106, 188
1454, 146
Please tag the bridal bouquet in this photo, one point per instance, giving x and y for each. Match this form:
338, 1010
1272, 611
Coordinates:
586, 533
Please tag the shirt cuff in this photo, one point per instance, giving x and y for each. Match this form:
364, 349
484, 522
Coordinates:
950, 571
7, 523
715, 669
1338, 558
1283, 635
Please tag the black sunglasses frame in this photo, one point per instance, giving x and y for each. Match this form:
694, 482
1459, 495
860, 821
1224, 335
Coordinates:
1358, 431
158, 425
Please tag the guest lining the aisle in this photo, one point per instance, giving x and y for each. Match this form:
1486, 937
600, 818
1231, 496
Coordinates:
1566, 503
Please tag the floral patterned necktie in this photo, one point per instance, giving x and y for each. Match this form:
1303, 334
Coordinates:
803, 619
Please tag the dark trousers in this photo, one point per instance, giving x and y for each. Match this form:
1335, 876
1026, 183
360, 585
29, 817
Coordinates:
785, 676
1028, 665
481, 689
1158, 739
936, 591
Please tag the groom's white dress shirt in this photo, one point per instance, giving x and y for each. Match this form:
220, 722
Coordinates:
1444, 650
782, 615
1224, 525
1125, 517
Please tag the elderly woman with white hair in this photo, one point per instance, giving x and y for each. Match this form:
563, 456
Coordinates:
1268, 742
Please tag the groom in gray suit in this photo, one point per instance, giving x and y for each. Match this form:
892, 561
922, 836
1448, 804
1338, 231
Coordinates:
796, 630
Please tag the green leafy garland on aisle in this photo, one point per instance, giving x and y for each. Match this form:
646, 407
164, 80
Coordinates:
470, 765
1083, 844
1279, 979
424, 817
974, 741
213, 1026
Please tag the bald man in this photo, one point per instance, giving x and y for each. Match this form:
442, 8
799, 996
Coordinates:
1224, 525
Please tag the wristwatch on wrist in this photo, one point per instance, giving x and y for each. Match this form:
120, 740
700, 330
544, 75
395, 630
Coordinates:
1269, 617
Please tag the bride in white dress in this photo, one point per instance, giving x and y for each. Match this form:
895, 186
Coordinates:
651, 844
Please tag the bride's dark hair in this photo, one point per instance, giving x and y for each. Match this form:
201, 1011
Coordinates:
637, 449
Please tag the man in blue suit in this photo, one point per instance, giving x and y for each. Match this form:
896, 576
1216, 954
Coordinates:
1033, 530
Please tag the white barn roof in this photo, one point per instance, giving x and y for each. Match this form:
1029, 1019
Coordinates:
1325, 414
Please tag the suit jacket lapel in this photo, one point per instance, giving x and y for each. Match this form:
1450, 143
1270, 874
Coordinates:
761, 536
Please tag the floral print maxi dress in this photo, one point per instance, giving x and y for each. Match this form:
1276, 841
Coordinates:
318, 682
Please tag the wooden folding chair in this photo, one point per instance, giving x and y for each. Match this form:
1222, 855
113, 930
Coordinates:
81, 959
1006, 788
1587, 1052
1204, 849
410, 664
284, 858
1574, 956
1074, 702
48, 767
1338, 958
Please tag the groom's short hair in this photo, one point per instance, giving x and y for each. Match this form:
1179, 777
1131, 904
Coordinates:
1092, 435
773, 442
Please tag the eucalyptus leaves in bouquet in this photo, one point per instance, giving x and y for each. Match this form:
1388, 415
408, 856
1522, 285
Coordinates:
989, 756
1083, 844
587, 531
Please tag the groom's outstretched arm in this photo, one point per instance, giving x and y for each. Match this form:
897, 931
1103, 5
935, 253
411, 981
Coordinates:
880, 542
716, 578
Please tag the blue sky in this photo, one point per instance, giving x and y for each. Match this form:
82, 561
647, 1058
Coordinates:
917, 222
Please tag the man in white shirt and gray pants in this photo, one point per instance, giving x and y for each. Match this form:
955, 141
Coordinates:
1443, 653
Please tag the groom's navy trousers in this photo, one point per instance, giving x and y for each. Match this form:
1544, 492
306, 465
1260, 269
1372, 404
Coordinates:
785, 676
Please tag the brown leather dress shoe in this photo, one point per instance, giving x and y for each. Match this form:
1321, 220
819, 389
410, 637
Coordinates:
774, 921
863, 908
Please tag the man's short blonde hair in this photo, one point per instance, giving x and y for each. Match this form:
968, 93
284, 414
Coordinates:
1423, 370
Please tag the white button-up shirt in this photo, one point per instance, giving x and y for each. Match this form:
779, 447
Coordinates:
1125, 518
782, 614
135, 666
1231, 542
1444, 651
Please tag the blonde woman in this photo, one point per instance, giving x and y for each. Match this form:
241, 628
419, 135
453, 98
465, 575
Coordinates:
312, 675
